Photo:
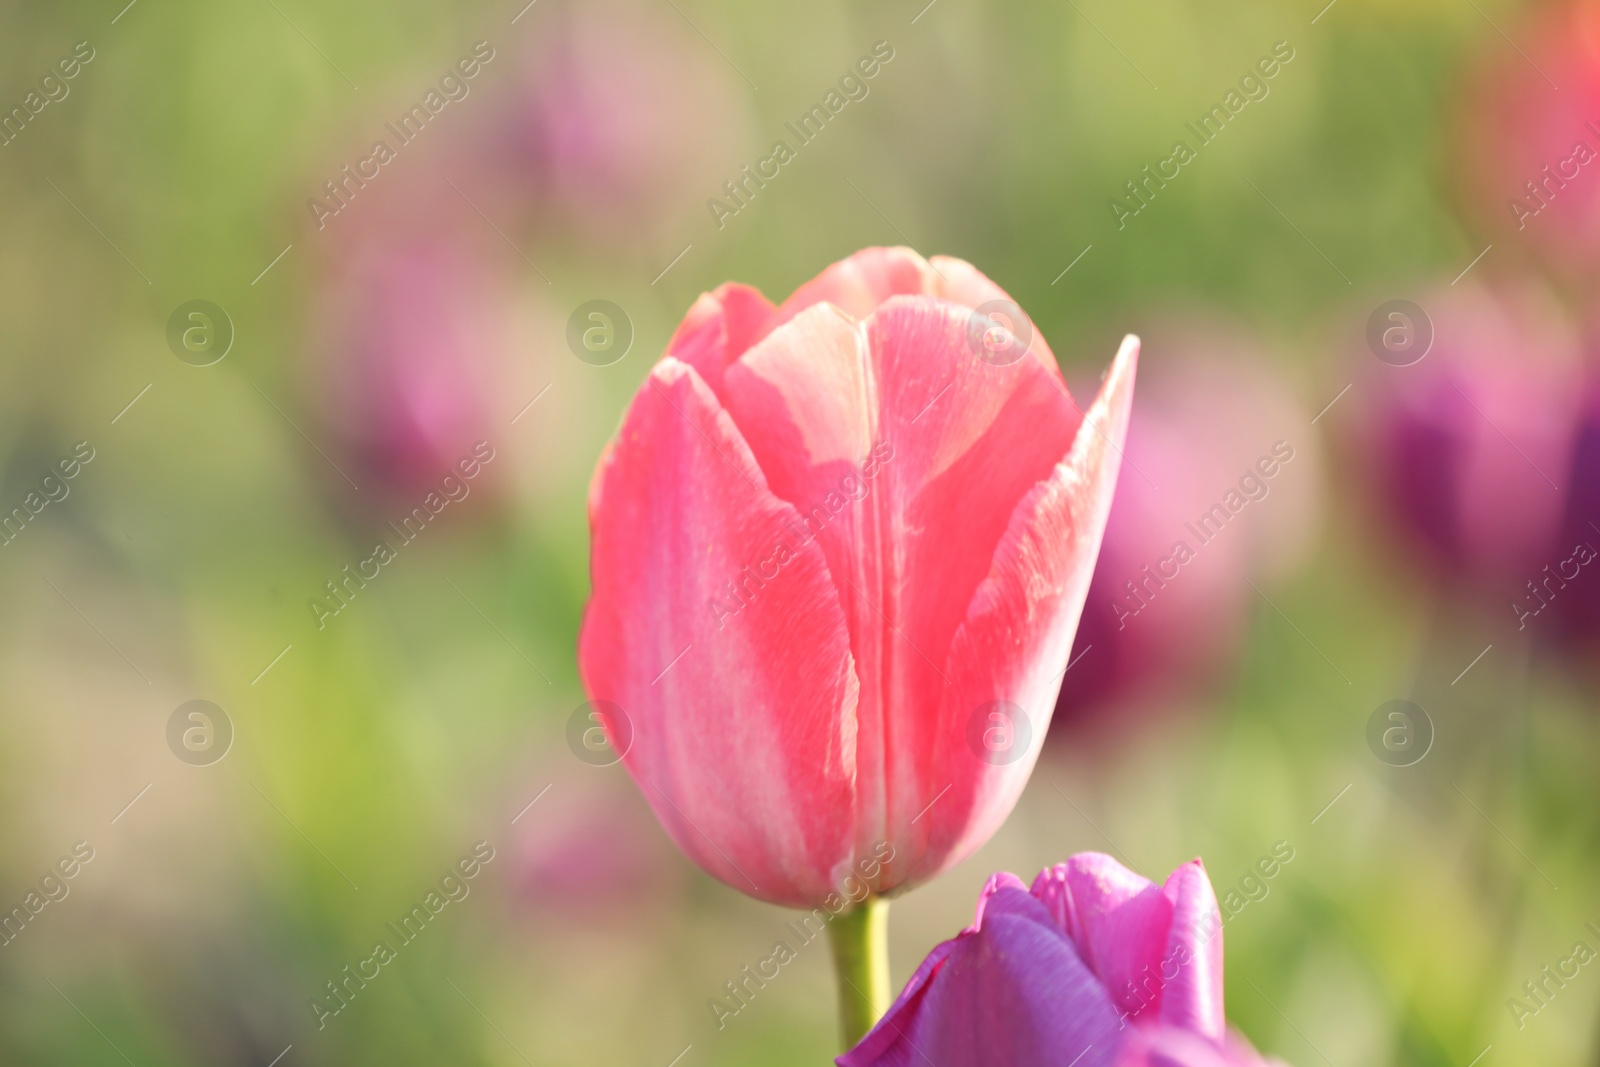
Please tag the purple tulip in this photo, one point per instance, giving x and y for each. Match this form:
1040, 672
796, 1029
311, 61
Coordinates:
624, 123
1469, 449
1093, 966
598, 858
414, 347
1578, 546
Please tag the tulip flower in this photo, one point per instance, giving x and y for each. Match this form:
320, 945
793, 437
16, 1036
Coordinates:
1093, 966
597, 859
1531, 136
412, 347
1577, 597
620, 120
839, 548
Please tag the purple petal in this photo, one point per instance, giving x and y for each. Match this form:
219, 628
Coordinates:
1119, 921
998, 881
1014, 992
1192, 965
1165, 1047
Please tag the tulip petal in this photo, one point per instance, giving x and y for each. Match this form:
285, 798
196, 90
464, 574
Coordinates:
962, 283
1161, 1047
742, 698
1192, 999
997, 881
885, 1044
1013, 642
859, 284
907, 455
1014, 992
719, 328
1119, 920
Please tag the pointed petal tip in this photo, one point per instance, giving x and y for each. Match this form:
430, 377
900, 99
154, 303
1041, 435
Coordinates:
1126, 360
997, 881
1115, 398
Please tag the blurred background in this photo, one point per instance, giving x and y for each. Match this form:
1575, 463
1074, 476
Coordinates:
240, 346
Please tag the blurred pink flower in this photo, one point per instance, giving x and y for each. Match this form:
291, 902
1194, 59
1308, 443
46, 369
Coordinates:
1533, 152
1469, 450
412, 349
1093, 966
1162, 620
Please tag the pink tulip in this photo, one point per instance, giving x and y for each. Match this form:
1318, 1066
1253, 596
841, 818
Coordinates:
827, 540
1533, 149
1093, 966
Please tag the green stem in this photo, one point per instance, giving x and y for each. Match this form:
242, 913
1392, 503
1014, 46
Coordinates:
860, 940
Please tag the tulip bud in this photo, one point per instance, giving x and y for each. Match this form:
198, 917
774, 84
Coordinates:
1091, 965
839, 549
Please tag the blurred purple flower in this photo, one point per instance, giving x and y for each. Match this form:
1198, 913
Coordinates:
1469, 450
1578, 606
624, 121
412, 351
1161, 619
596, 858
1094, 966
